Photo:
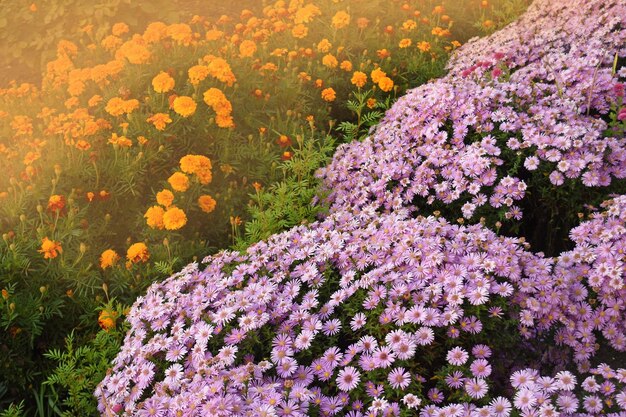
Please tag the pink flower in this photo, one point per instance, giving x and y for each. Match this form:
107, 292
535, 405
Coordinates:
457, 356
348, 378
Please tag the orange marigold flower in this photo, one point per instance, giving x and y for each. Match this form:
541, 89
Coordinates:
324, 46
179, 182
22, 125
197, 73
214, 97
199, 165
213, 34
206, 203
155, 32
154, 217
56, 203
371, 102
247, 48
181, 33
220, 69
283, 141
165, 198
82, 145
359, 79
115, 106
184, 105
107, 319
383, 53
76, 87
377, 74
134, 52
307, 13
224, 121
328, 94
300, 31
409, 25
340, 20
159, 120
119, 29
50, 248
163, 82
188, 164
174, 218
385, 84
286, 155
346, 65
142, 140
404, 43
31, 157
423, 46
138, 252
330, 61
108, 258
436, 31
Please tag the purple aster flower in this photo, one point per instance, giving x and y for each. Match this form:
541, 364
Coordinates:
399, 378
348, 378
480, 368
457, 356
476, 387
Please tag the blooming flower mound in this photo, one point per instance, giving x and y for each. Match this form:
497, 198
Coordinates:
529, 95
413, 278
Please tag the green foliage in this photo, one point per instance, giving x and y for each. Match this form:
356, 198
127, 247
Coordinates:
367, 112
289, 201
13, 410
80, 367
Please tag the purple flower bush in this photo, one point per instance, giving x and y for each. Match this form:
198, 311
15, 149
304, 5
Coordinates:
585, 293
356, 315
355, 308
525, 107
379, 310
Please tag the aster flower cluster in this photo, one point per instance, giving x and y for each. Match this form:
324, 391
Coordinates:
351, 304
529, 103
604, 389
585, 293
373, 312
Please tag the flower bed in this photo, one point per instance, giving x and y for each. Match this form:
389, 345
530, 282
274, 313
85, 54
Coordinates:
378, 310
